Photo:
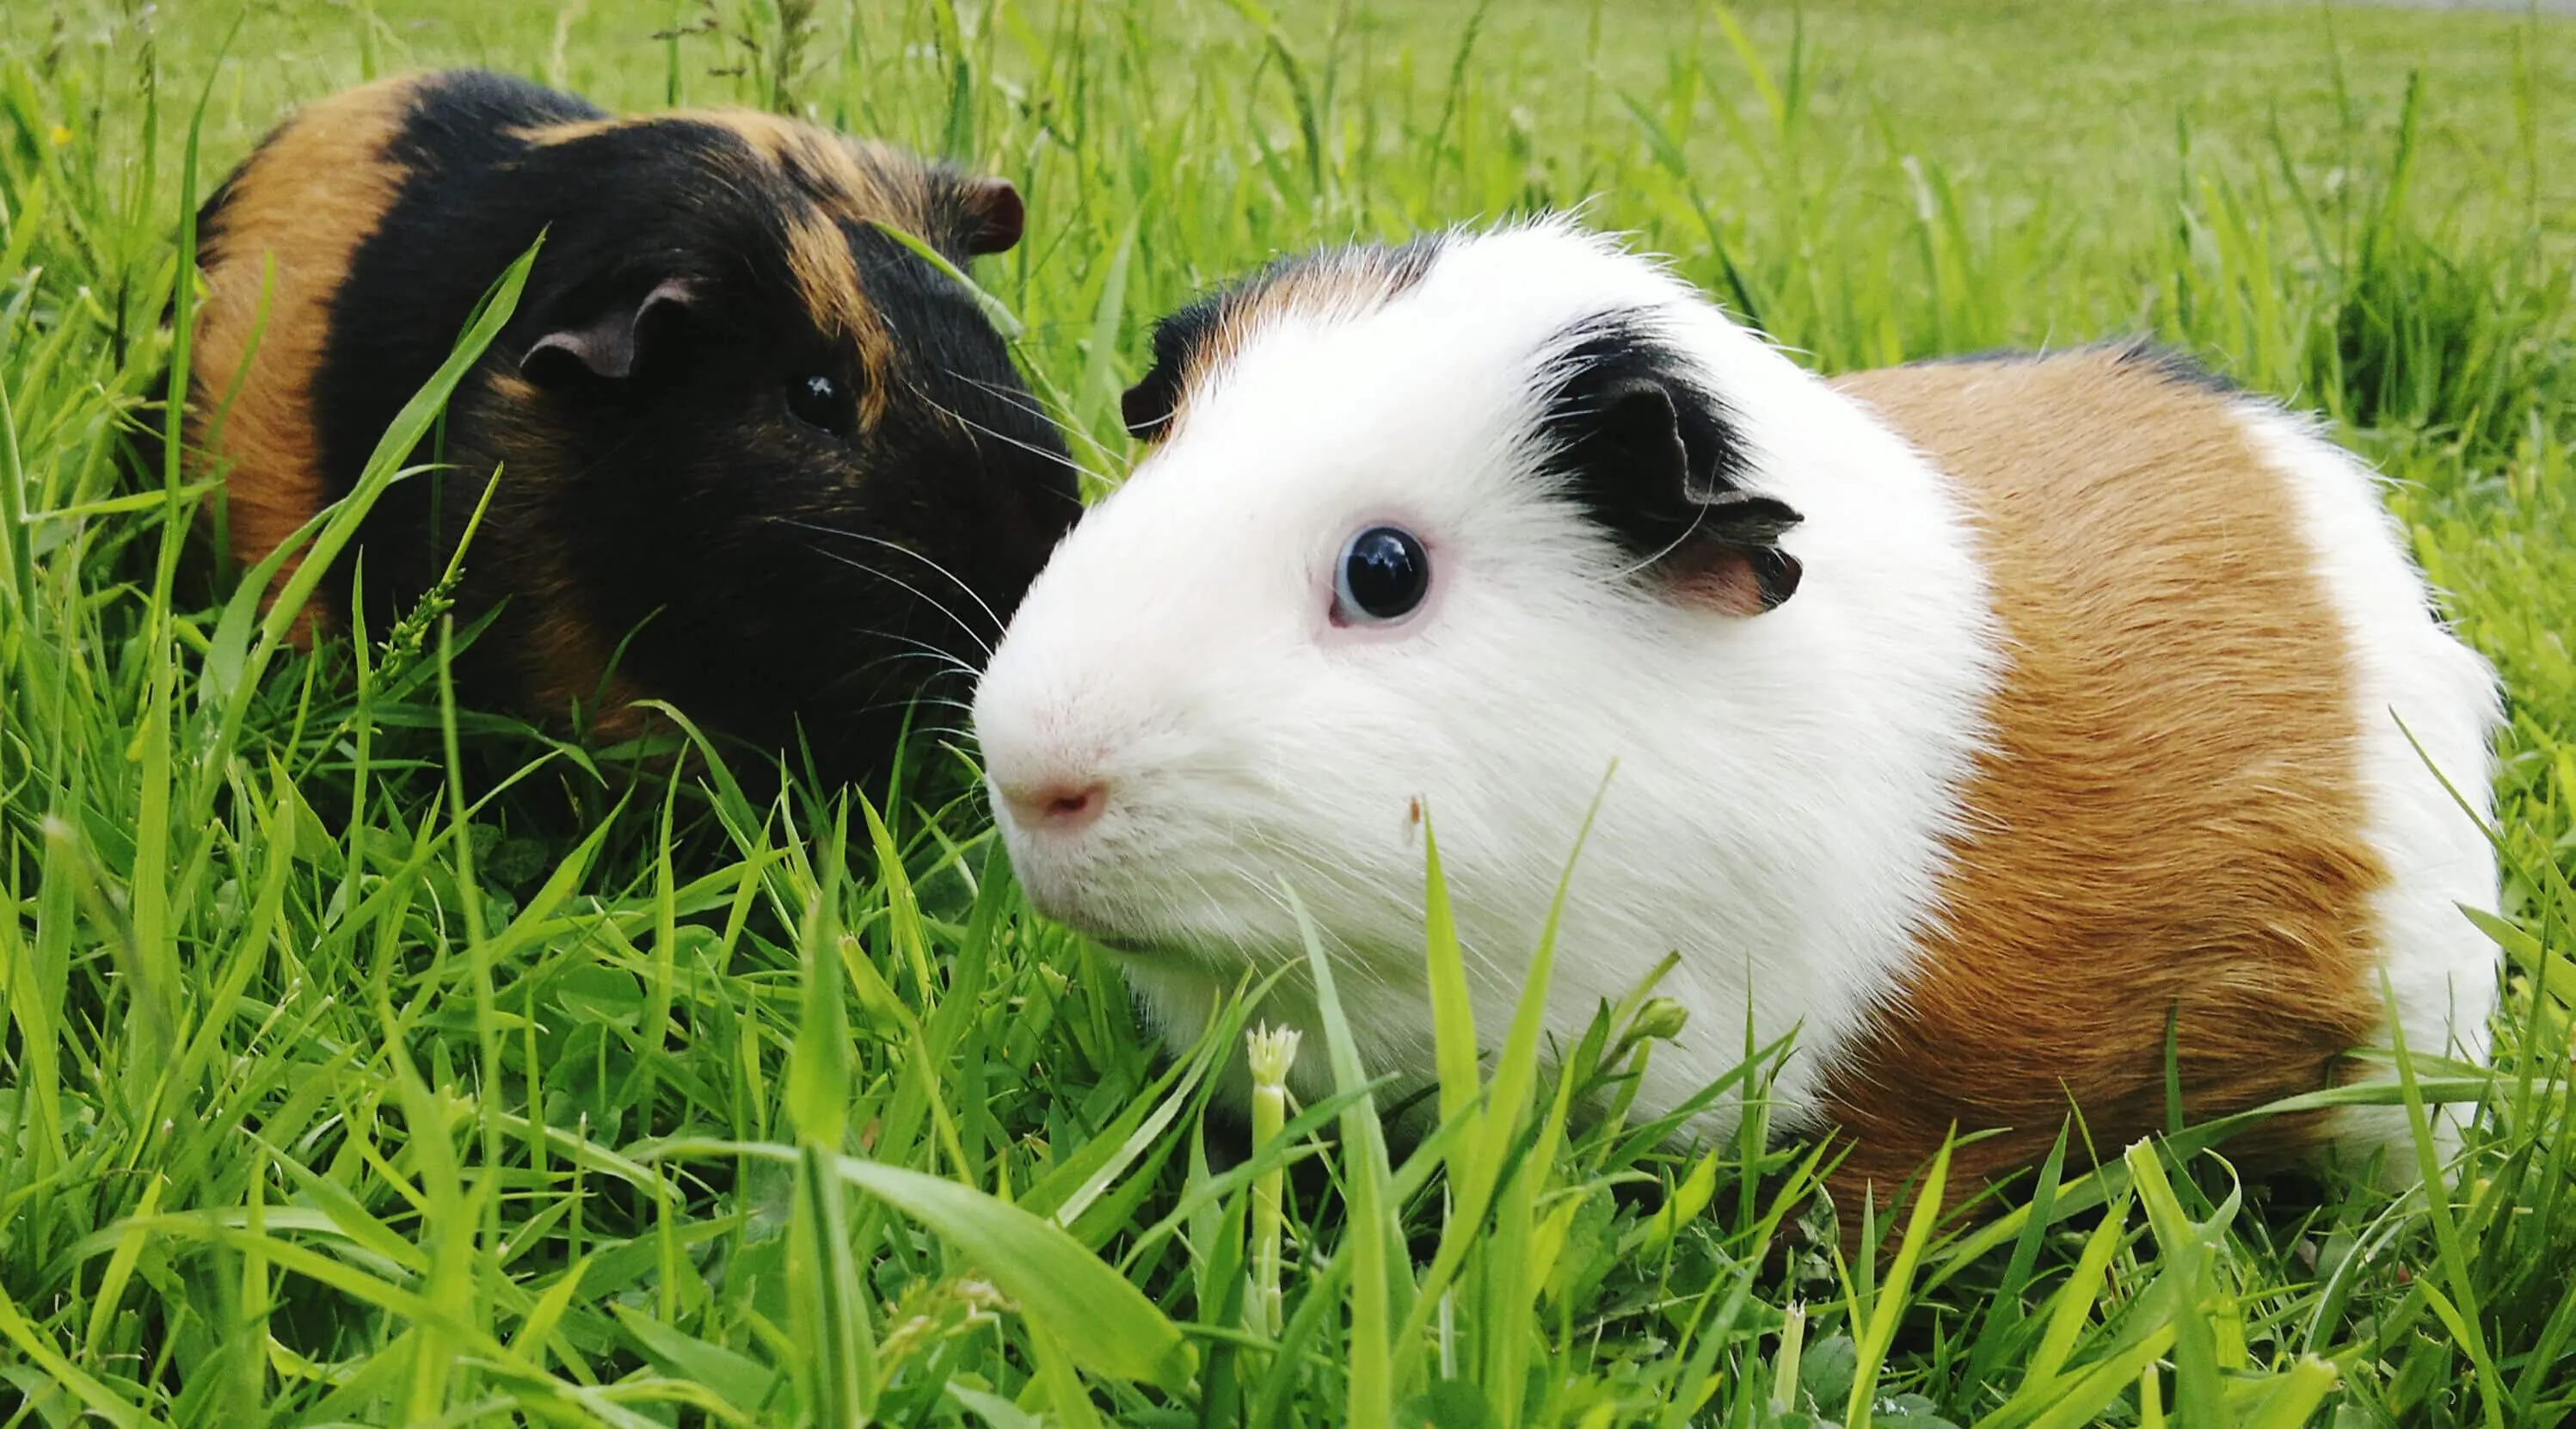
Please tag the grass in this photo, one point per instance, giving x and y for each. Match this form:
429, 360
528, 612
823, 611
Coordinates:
367, 1059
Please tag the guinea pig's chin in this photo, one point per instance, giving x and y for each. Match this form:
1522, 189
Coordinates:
1115, 929
1060, 890
1098, 906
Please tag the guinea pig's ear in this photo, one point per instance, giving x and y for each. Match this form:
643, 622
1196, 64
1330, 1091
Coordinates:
994, 209
619, 342
1149, 407
1657, 462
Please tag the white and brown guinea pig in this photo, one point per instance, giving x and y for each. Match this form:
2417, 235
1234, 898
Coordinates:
1970, 720
757, 456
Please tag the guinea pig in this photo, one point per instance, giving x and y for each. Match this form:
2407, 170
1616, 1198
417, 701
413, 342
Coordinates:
1977, 722
755, 455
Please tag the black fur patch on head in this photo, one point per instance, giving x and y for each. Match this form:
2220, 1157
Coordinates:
1149, 407
789, 522
1191, 342
1633, 435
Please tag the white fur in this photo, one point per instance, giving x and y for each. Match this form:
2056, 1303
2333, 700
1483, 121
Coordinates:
2410, 677
1782, 782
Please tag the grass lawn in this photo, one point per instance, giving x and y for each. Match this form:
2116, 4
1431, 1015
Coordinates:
370, 1060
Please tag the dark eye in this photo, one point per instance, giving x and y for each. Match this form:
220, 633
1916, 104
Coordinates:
1383, 575
819, 401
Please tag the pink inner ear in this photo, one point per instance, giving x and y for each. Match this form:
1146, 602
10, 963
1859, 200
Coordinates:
611, 344
999, 215
604, 348
1727, 583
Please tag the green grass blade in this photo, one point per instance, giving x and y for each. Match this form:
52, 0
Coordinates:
1103, 1321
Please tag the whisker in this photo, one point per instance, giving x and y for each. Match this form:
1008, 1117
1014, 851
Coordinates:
1026, 402
936, 702
917, 593
901, 549
1032, 448
1059, 458
1030, 406
948, 731
948, 663
948, 666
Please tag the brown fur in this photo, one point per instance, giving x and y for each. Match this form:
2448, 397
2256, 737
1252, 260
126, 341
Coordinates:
312, 197
2168, 820
1726, 583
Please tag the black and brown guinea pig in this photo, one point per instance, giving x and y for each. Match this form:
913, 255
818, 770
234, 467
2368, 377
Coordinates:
756, 456
1993, 727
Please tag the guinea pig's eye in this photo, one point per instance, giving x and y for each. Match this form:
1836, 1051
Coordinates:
820, 401
1383, 575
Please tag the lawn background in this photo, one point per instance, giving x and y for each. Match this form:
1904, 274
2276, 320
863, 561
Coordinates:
364, 1058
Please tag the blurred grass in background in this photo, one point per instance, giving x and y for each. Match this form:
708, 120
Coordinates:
368, 1060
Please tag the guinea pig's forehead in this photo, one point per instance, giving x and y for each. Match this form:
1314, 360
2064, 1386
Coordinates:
1387, 391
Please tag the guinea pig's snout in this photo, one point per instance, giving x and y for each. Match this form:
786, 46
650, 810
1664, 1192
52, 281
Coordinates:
1055, 767
1056, 803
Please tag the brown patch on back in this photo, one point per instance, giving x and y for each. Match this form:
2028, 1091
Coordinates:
304, 202
2169, 818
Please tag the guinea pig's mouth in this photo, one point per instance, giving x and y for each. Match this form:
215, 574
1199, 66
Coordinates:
1098, 919
1123, 938
1134, 946
1123, 884
1065, 895
1121, 922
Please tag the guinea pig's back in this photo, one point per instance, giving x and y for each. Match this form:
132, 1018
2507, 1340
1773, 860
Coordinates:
276, 242
2195, 801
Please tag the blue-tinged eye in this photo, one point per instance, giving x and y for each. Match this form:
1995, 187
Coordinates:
1383, 575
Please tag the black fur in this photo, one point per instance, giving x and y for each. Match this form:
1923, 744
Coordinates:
1654, 458
2171, 363
746, 560
2176, 365
1149, 406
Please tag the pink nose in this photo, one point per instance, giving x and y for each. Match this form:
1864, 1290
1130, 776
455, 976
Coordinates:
1058, 805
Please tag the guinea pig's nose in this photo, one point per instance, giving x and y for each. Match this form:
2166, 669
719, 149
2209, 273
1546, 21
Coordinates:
1059, 805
